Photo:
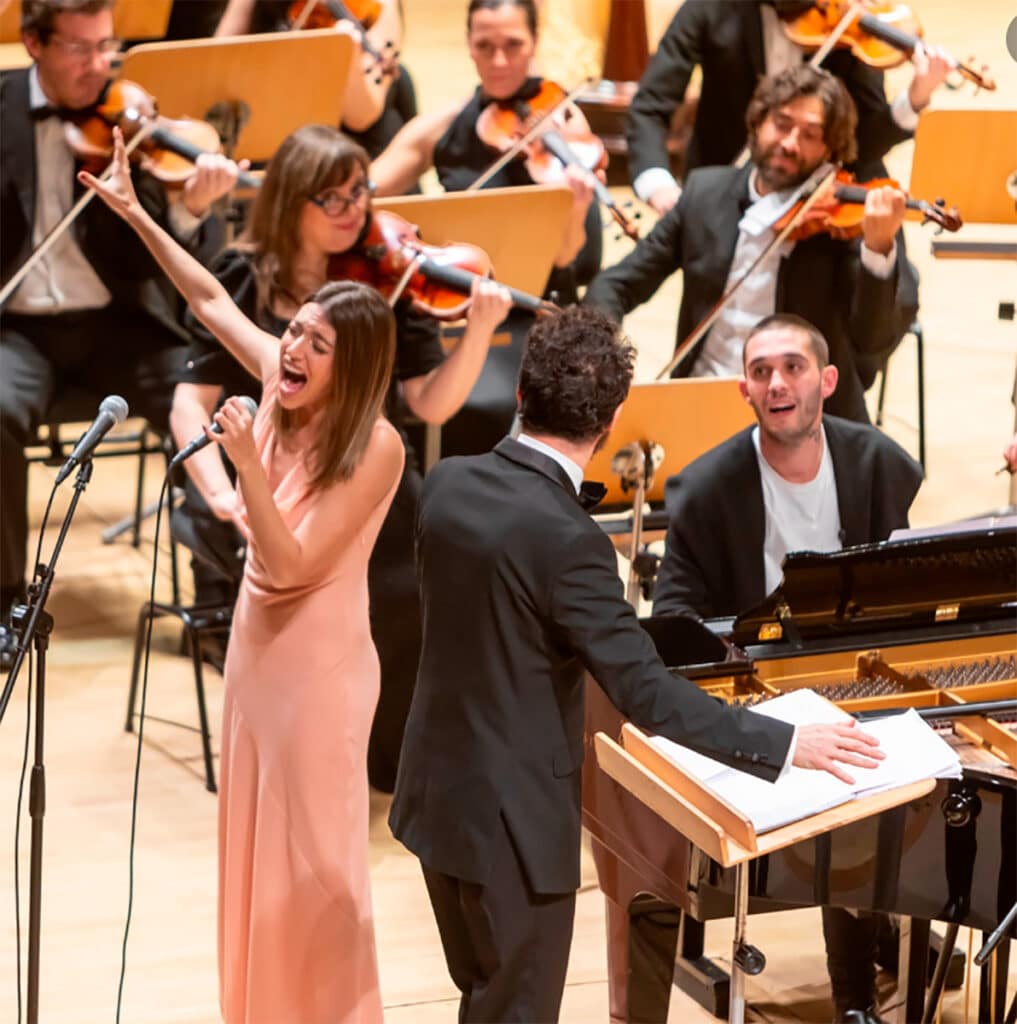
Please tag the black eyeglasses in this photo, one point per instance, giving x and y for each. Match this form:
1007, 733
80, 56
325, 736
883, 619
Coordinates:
335, 204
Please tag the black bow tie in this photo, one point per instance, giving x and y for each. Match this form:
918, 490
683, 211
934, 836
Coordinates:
591, 494
45, 111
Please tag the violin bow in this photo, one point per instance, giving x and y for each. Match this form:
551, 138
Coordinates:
526, 138
67, 220
854, 10
305, 13
811, 198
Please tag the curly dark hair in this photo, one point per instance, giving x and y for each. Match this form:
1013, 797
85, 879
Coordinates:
576, 371
840, 119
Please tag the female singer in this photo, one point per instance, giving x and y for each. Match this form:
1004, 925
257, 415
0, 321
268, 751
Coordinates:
502, 38
379, 98
317, 469
315, 201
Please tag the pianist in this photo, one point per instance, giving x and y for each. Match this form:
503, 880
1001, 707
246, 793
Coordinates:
798, 480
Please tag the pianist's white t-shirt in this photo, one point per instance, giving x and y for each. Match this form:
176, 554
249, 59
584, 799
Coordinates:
799, 517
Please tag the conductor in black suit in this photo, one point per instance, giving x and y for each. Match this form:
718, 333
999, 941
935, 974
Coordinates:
521, 594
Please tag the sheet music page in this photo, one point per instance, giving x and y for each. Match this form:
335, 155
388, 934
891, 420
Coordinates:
913, 752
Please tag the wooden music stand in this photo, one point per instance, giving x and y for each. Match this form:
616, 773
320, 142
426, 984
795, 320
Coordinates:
721, 831
500, 221
189, 78
968, 155
687, 417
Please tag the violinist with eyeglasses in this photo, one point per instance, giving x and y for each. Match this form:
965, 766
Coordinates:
95, 312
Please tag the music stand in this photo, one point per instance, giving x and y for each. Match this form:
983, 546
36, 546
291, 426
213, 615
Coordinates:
501, 221
721, 831
240, 80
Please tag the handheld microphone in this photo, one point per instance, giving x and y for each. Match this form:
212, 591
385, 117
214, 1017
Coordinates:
202, 440
112, 410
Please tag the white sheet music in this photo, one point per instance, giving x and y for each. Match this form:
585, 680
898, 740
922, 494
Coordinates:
913, 752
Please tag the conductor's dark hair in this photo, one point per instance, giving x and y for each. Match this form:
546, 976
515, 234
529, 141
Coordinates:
840, 117
576, 371
528, 7
38, 17
776, 321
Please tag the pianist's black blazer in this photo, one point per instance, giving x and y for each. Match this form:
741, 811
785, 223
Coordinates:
520, 594
713, 558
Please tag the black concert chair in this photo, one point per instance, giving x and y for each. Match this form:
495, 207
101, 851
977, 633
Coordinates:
919, 335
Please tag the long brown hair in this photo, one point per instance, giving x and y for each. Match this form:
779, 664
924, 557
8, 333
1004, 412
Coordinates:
311, 159
362, 362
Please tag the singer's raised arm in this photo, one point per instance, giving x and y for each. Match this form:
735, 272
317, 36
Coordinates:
256, 349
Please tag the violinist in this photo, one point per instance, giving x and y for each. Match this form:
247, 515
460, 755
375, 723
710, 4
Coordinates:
735, 42
379, 97
315, 202
502, 39
96, 311
857, 292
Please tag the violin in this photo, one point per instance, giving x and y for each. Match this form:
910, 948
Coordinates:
437, 278
170, 146
361, 14
548, 131
883, 34
841, 211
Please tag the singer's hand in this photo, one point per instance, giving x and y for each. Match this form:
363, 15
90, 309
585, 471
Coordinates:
237, 437
117, 191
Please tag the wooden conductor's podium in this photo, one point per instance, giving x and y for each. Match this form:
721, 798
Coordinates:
721, 832
241, 79
501, 222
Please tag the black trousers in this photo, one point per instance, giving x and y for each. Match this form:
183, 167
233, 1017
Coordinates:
104, 352
507, 947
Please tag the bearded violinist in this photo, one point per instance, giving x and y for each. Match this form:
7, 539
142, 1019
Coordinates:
735, 42
96, 312
860, 294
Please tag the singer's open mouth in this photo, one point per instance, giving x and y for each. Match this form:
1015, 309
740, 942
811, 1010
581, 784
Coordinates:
291, 381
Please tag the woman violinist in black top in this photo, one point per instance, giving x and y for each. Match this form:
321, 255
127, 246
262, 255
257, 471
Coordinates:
502, 39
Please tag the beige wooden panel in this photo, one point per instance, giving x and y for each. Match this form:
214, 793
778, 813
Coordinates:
132, 19
686, 417
966, 156
519, 228
190, 77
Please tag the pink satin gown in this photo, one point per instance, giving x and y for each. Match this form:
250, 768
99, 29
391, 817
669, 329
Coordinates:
296, 935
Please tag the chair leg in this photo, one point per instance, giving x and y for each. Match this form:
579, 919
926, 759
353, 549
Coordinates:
918, 331
199, 685
139, 643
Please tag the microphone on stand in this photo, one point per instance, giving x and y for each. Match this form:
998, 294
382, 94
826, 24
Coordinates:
202, 440
112, 410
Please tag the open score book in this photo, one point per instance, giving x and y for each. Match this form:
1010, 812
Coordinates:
913, 752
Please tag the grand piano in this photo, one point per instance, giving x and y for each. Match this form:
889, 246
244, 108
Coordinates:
928, 623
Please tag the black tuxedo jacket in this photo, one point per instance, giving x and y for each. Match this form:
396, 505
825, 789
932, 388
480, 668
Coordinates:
861, 316
520, 594
725, 38
713, 559
118, 256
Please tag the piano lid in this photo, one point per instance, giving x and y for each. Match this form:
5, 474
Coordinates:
968, 575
